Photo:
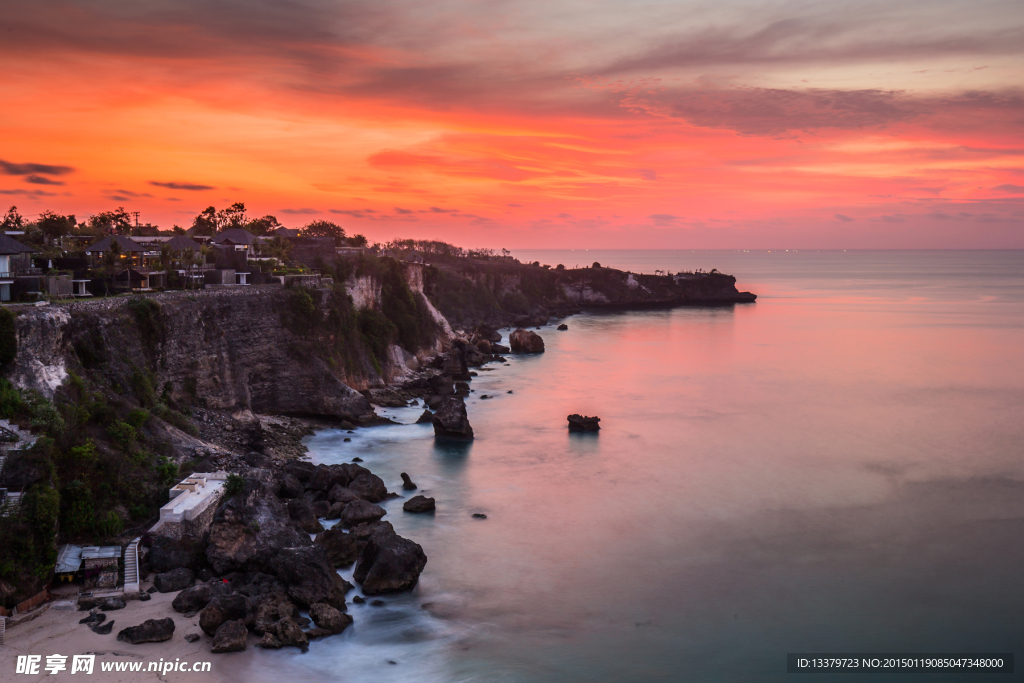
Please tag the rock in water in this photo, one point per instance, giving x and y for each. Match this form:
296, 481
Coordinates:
306, 572
149, 631
230, 637
426, 417
419, 504
407, 483
524, 341
174, 580
580, 423
389, 563
326, 617
451, 420
563, 327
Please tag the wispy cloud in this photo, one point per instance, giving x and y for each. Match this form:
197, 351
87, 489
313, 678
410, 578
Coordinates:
191, 187
30, 169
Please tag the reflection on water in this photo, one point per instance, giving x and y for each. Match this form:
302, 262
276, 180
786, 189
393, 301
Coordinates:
836, 468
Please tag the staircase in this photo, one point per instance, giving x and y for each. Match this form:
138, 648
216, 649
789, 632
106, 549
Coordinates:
131, 567
10, 504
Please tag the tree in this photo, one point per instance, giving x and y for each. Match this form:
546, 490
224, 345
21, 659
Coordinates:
205, 223
54, 225
263, 226
278, 248
324, 229
358, 241
233, 216
116, 222
13, 219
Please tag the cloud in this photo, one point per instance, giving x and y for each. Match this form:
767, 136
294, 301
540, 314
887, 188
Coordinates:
1010, 189
192, 187
40, 180
300, 211
30, 193
844, 219
400, 210
664, 217
121, 194
30, 169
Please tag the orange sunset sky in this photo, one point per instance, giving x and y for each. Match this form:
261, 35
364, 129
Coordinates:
528, 123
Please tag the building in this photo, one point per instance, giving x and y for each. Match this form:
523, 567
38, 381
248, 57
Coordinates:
237, 239
100, 564
132, 252
193, 502
15, 258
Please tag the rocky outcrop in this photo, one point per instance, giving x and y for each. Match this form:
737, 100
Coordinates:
174, 580
341, 548
149, 631
580, 423
525, 341
198, 596
326, 617
407, 483
451, 420
221, 609
419, 504
231, 636
306, 572
359, 512
302, 512
168, 552
389, 563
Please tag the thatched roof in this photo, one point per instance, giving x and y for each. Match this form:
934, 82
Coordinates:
127, 244
9, 245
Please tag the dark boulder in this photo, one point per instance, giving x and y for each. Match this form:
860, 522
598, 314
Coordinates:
103, 629
425, 418
168, 553
223, 608
289, 633
336, 598
341, 494
112, 604
149, 631
93, 619
451, 420
360, 511
174, 580
300, 469
462, 388
324, 477
198, 596
270, 609
230, 637
580, 423
563, 327
341, 548
369, 487
407, 483
248, 530
389, 563
485, 331
302, 512
419, 504
483, 346
498, 348
326, 617
291, 487
321, 508
306, 572
192, 637
525, 341
335, 511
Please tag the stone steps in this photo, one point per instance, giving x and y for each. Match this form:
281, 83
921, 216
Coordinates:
131, 567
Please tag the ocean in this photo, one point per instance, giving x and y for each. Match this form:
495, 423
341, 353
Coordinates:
835, 468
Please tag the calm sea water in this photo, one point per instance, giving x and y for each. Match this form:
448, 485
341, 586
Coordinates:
837, 467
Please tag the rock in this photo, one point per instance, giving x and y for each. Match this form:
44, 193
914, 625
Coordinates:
563, 327
300, 469
479, 515
143, 597
149, 631
247, 531
335, 511
419, 504
341, 494
407, 483
230, 637
484, 331
223, 608
359, 600
290, 487
336, 599
94, 619
462, 388
152, 589
198, 596
369, 487
111, 604
377, 603
426, 417
321, 508
579, 423
255, 584
103, 629
288, 632
317, 633
191, 637
435, 401
389, 563
306, 572
451, 421
269, 641
485, 396
301, 511
341, 548
174, 580
357, 459
484, 346
525, 341
347, 439
270, 609
360, 511
498, 348
327, 617
168, 553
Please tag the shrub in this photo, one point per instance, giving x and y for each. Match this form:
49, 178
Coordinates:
137, 418
234, 485
147, 316
110, 524
11, 402
78, 514
123, 434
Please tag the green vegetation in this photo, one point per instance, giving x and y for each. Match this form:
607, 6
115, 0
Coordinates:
234, 485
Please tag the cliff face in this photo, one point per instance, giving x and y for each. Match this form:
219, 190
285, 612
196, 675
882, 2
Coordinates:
231, 349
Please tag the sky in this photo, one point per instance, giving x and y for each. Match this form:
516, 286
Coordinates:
528, 123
